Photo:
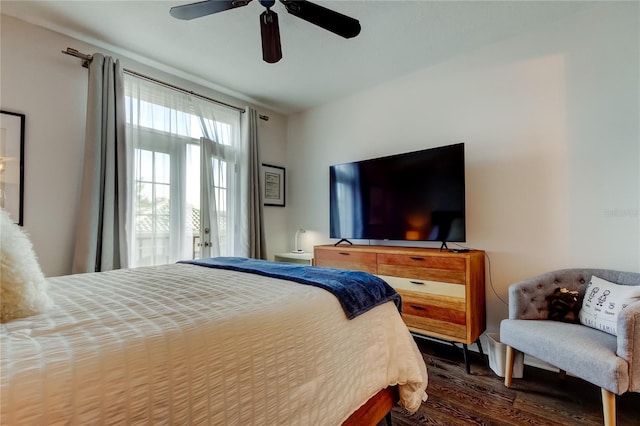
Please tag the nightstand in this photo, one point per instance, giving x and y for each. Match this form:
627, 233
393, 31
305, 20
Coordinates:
293, 257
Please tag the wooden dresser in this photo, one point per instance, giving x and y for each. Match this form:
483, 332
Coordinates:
442, 292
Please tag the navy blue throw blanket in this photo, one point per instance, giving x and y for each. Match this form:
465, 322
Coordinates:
357, 291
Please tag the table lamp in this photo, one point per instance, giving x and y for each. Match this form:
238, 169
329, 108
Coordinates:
298, 232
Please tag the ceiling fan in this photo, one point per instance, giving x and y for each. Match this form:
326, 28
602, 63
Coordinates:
328, 19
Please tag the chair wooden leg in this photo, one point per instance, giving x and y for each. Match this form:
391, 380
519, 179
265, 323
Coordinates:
508, 366
609, 407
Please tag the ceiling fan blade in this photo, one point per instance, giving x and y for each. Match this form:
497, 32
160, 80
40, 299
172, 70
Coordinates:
204, 8
271, 50
328, 19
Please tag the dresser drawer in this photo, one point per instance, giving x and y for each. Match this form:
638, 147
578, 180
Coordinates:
426, 286
354, 260
435, 306
434, 313
436, 328
410, 265
416, 260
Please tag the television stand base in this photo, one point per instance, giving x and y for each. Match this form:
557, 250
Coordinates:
344, 240
444, 246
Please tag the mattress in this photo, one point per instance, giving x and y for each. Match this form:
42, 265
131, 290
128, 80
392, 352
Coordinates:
184, 344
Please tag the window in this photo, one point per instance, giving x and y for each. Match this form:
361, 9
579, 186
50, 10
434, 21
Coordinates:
153, 200
187, 161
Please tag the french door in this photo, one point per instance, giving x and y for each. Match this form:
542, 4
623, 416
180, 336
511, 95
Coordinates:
217, 206
185, 184
182, 204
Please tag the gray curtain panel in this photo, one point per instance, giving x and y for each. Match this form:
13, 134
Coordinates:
257, 246
101, 238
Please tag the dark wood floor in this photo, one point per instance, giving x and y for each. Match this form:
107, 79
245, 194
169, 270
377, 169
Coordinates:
541, 397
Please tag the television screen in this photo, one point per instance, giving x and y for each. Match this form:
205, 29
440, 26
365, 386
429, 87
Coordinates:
416, 196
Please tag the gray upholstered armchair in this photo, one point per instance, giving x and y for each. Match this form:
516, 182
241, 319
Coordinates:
608, 361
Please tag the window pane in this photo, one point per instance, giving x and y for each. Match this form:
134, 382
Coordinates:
162, 168
193, 176
221, 199
144, 225
162, 227
144, 197
144, 252
144, 165
219, 172
224, 133
161, 246
163, 199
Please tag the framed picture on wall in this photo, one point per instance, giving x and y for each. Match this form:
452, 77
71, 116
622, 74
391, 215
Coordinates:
12, 164
273, 185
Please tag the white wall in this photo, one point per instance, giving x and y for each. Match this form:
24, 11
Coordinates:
550, 122
50, 88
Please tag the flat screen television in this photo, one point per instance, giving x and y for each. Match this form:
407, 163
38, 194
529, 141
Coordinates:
415, 196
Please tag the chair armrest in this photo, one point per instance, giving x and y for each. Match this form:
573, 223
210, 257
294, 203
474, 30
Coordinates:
628, 344
527, 298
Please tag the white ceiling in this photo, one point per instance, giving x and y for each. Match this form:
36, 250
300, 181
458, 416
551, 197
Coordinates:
224, 49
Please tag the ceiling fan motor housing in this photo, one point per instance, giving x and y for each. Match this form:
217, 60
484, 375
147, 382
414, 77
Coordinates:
267, 3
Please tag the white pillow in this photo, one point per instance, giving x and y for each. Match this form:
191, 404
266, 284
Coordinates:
23, 288
603, 301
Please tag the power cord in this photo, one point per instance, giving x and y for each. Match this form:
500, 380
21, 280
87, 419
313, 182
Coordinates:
490, 276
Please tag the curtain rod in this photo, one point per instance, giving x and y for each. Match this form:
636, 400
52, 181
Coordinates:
86, 59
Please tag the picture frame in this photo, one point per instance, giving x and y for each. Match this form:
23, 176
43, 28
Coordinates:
12, 126
273, 185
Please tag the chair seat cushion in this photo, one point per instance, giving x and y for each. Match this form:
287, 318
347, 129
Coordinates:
582, 351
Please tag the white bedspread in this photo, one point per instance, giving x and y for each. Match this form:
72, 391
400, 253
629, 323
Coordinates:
183, 344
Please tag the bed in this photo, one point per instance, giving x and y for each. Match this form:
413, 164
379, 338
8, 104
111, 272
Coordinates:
188, 344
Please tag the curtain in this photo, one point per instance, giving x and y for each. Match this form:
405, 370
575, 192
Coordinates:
212, 219
101, 233
255, 218
189, 168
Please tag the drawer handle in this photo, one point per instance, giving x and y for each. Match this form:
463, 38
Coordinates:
416, 258
416, 282
417, 307
344, 254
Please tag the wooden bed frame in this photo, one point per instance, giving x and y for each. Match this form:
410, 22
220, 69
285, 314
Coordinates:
375, 409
